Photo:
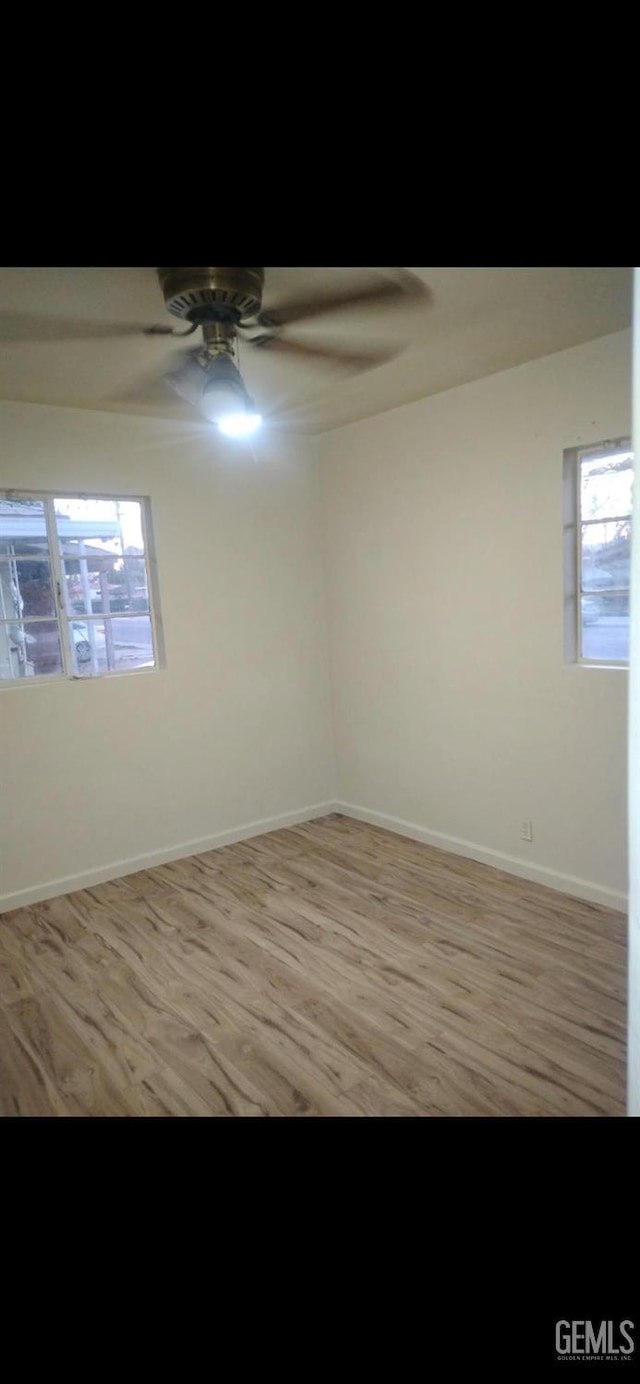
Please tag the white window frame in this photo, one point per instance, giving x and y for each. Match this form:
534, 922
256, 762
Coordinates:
573, 525
62, 616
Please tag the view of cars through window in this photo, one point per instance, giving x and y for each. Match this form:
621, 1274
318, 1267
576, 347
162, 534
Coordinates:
82, 605
605, 485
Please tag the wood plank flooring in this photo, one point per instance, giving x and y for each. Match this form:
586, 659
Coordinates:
330, 969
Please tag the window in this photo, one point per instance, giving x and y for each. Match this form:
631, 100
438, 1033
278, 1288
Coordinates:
75, 587
600, 483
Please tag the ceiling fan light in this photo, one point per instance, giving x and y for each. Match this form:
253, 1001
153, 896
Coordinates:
239, 424
220, 399
225, 402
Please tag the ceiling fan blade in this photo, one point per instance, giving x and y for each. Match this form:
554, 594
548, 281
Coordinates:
157, 387
354, 360
148, 390
186, 376
16, 326
383, 292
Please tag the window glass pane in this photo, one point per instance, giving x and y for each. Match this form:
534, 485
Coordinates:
605, 627
26, 588
99, 586
10, 603
606, 485
29, 649
104, 527
112, 645
606, 552
23, 527
105, 585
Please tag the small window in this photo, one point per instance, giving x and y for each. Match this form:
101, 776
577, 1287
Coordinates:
76, 577
600, 484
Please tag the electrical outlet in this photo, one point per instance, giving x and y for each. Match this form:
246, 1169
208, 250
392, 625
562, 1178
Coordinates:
526, 830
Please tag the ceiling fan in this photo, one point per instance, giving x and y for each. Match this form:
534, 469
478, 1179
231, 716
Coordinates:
225, 306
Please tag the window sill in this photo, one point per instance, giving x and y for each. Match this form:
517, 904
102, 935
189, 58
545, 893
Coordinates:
55, 679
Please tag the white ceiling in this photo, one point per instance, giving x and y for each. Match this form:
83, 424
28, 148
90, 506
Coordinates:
473, 322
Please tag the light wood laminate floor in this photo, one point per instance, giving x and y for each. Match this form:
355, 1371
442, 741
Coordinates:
330, 969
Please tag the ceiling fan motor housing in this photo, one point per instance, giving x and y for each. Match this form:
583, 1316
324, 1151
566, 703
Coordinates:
212, 295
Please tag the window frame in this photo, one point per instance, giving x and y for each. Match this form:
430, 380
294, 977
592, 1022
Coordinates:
574, 524
61, 616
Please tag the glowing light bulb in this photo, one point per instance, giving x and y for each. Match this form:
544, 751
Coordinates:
220, 401
239, 424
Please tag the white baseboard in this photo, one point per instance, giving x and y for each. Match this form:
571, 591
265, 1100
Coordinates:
116, 869
511, 864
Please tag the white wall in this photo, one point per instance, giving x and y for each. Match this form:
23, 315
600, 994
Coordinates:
236, 728
454, 710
